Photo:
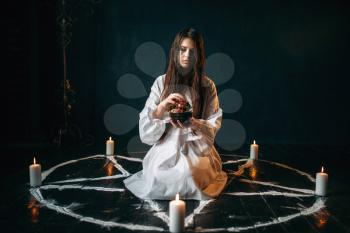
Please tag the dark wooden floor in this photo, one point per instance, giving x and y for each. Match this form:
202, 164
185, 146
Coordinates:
85, 193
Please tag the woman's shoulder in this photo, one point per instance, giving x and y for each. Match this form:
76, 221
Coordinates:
160, 80
207, 82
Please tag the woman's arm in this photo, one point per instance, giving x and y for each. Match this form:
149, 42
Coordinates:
151, 128
203, 131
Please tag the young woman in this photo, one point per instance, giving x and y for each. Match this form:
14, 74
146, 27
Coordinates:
183, 158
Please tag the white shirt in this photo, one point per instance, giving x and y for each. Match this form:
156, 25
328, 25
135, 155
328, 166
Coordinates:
182, 161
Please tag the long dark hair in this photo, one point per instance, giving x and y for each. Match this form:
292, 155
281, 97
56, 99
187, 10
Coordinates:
174, 80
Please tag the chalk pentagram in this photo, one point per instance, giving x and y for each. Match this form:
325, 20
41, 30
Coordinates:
84, 190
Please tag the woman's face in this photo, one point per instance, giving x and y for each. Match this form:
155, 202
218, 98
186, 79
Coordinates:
186, 55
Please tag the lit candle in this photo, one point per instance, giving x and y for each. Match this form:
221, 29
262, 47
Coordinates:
110, 146
321, 183
177, 215
35, 174
254, 151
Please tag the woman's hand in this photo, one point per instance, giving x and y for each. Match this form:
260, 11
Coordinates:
178, 124
190, 123
166, 103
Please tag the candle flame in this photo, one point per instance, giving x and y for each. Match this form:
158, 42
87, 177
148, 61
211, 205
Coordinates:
322, 218
322, 169
110, 138
177, 197
254, 142
253, 172
34, 161
34, 210
109, 169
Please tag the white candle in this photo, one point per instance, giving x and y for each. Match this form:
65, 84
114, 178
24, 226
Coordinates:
177, 210
110, 146
35, 174
254, 151
321, 183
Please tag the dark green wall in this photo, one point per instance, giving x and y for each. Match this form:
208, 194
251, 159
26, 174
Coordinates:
290, 60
